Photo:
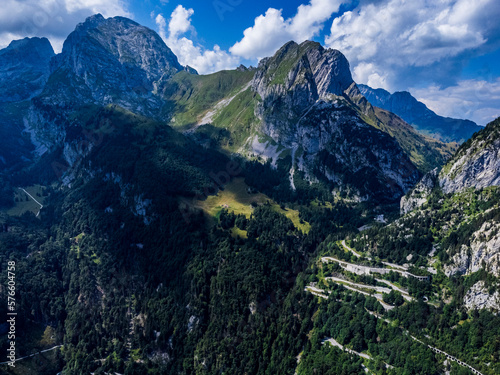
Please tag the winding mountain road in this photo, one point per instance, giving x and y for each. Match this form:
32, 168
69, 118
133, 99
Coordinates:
434, 349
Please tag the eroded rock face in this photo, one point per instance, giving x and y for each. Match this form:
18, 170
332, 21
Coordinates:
483, 253
112, 60
305, 91
419, 194
291, 81
24, 68
475, 168
478, 297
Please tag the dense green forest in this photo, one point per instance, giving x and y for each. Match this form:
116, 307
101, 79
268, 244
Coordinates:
117, 271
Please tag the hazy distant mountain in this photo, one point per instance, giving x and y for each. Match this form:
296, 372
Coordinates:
24, 68
416, 113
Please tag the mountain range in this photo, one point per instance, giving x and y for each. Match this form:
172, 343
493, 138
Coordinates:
416, 113
239, 222
137, 71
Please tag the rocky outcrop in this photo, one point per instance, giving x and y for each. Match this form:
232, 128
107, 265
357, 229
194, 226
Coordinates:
419, 194
24, 68
305, 91
478, 297
482, 253
476, 164
416, 113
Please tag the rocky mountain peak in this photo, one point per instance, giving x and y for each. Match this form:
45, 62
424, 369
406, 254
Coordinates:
119, 50
103, 61
24, 68
324, 71
112, 61
306, 107
297, 76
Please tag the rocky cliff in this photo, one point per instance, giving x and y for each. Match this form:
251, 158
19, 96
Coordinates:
24, 70
483, 252
478, 297
419, 194
305, 107
416, 113
112, 60
476, 164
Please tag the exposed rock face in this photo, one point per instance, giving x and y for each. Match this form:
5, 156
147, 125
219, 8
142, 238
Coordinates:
112, 60
305, 91
478, 297
103, 61
416, 113
483, 253
476, 164
419, 194
24, 68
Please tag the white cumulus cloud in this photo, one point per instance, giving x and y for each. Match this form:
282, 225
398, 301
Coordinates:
202, 59
477, 100
404, 37
270, 31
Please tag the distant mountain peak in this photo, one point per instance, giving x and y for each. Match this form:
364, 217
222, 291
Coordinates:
416, 113
24, 68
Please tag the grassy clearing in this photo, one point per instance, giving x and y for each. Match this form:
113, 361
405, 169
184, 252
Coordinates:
194, 95
24, 203
237, 232
235, 198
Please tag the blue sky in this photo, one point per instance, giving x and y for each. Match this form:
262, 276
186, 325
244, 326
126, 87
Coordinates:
446, 52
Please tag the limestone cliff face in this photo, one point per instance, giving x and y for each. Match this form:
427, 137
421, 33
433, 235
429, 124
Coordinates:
305, 91
478, 297
476, 164
419, 194
482, 253
103, 62
112, 60
293, 80
24, 70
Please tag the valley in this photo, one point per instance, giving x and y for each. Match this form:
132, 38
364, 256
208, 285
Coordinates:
270, 220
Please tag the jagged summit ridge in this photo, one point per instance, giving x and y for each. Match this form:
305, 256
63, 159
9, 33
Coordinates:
116, 54
323, 71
